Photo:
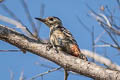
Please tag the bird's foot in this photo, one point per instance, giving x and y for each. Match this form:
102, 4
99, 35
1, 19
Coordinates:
49, 46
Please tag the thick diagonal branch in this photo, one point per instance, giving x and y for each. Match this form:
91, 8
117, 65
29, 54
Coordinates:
70, 63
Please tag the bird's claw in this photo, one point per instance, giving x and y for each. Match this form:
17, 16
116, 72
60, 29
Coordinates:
56, 50
49, 46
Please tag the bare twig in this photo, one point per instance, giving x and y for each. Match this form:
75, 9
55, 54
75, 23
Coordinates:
99, 36
110, 45
110, 35
10, 50
118, 2
42, 7
48, 66
41, 74
106, 26
29, 17
66, 75
44, 65
7, 10
102, 19
93, 43
105, 45
22, 76
17, 24
11, 75
110, 14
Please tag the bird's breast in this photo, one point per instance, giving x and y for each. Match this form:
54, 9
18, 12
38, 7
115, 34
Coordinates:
57, 37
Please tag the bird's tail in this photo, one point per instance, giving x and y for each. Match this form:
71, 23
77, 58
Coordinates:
76, 52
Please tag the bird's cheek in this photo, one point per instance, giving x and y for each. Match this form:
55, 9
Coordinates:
47, 24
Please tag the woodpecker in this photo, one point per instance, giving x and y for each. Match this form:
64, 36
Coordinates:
60, 38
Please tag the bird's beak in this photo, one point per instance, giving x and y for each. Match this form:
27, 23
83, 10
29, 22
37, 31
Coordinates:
40, 19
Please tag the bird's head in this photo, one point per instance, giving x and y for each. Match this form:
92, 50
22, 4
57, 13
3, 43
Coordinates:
51, 21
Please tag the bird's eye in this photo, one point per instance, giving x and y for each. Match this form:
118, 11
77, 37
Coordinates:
51, 19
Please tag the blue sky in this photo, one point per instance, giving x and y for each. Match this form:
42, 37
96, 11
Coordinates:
66, 10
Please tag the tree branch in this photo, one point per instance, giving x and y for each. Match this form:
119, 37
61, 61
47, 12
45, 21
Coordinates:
101, 59
70, 63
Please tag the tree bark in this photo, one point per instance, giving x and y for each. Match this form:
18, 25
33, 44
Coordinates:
68, 62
